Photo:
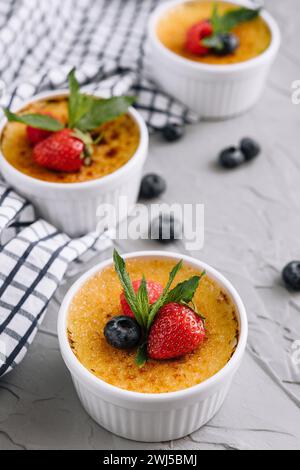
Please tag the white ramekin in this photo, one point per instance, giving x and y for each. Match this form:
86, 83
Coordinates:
152, 417
73, 207
213, 91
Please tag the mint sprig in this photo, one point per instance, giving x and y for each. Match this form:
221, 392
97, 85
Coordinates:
139, 303
232, 18
85, 112
40, 121
223, 24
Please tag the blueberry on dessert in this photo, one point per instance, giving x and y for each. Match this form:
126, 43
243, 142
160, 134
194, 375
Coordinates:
122, 332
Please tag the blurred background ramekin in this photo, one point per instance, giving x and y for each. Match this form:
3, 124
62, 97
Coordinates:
213, 91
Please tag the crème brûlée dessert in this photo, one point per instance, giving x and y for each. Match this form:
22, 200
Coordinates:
71, 139
185, 331
218, 33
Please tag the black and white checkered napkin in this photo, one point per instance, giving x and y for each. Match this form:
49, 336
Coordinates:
105, 39
32, 265
40, 41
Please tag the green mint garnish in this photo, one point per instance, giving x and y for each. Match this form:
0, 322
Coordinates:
139, 303
39, 121
86, 113
224, 23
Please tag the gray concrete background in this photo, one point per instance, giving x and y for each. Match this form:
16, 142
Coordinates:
252, 226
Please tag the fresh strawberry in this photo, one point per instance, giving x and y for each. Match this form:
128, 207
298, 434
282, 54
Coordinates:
62, 151
194, 36
35, 136
154, 292
176, 331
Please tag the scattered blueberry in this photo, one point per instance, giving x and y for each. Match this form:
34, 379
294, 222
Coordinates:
231, 157
229, 41
291, 276
173, 132
250, 148
122, 332
152, 186
165, 228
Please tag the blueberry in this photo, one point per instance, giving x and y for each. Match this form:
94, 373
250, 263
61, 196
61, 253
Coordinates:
231, 157
250, 148
173, 132
165, 228
122, 332
152, 186
229, 42
291, 276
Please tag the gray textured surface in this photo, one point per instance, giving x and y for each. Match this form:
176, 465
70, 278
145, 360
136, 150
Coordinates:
252, 230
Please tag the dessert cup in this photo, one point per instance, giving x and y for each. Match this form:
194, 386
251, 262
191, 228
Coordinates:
72, 207
150, 417
213, 91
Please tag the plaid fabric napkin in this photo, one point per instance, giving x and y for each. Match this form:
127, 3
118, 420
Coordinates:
40, 41
32, 265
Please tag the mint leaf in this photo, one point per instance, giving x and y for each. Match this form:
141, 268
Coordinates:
185, 291
120, 268
141, 357
104, 110
234, 17
216, 19
162, 300
142, 301
79, 103
39, 121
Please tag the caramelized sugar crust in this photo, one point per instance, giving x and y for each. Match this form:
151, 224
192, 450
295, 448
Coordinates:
255, 36
119, 143
98, 301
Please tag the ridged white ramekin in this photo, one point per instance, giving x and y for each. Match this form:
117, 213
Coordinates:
213, 91
73, 207
152, 417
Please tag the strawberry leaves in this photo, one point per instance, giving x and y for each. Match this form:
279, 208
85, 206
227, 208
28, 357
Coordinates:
139, 303
39, 121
